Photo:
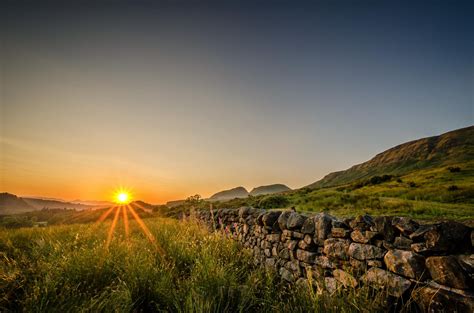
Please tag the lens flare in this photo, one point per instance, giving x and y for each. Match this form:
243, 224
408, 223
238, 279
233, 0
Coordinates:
122, 196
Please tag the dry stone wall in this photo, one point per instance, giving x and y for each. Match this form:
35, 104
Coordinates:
433, 264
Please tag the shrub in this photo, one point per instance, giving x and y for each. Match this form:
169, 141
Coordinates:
272, 202
453, 188
454, 169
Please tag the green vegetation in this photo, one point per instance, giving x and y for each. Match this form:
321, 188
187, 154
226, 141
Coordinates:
434, 193
67, 269
271, 202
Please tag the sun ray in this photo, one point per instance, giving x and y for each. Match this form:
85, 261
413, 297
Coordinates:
145, 229
112, 228
104, 216
142, 207
77, 216
125, 222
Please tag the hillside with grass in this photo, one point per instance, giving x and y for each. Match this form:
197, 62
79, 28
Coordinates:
427, 179
433, 152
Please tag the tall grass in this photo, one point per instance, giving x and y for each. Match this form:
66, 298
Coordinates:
67, 269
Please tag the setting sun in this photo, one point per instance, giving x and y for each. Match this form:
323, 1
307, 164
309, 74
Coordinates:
122, 197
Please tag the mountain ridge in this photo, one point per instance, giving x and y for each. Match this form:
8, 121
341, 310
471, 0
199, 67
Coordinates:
448, 148
269, 189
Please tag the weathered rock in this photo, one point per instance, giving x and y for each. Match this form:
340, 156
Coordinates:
260, 219
338, 232
294, 266
418, 235
295, 221
362, 222
270, 262
331, 285
273, 237
345, 278
365, 252
405, 225
274, 251
297, 235
362, 236
305, 246
438, 299
447, 237
466, 261
358, 266
323, 225
270, 218
374, 263
308, 226
308, 239
286, 275
383, 226
292, 244
305, 256
324, 262
406, 263
244, 211
284, 254
447, 271
302, 283
283, 219
402, 242
336, 248
381, 279
419, 247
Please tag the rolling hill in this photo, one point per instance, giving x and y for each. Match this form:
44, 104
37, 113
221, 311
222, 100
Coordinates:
449, 148
269, 189
12, 204
237, 192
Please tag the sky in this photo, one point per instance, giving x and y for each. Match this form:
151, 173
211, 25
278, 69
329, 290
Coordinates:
172, 99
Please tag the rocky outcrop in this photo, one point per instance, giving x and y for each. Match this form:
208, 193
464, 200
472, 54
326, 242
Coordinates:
433, 264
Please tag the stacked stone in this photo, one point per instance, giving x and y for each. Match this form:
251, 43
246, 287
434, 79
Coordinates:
434, 264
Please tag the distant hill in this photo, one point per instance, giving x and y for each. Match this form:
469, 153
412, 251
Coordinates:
97, 203
174, 203
39, 204
11, 204
449, 148
142, 205
238, 192
269, 189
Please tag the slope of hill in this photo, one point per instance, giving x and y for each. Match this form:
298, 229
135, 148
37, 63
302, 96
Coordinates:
10, 204
238, 192
269, 189
450, 148
39, 204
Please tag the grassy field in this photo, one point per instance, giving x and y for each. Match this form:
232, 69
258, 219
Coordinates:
430, 194
68, 268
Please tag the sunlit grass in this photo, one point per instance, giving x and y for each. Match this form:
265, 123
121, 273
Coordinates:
67, 268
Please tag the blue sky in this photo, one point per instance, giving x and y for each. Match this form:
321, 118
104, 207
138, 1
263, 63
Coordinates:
174, 99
